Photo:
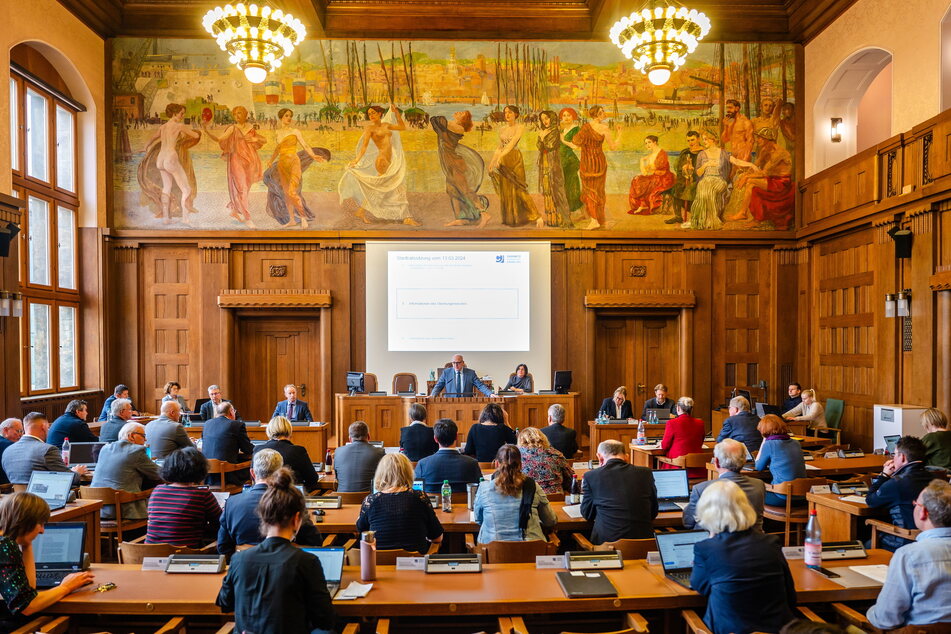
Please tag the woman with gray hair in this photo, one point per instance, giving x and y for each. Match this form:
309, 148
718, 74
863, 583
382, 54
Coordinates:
125, 465
737, 563
280, 430
684, 435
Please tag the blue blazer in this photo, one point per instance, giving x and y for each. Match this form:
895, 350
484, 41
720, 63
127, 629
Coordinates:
447, 382
742, 428
301, 411
240, 522
447, 464
72, 427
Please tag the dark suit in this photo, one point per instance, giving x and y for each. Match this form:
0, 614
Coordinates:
355, 465
417, 442
898, 493
4, 443
296, 458
207, 410
610, 408
72, 427
651, 403
621, 500
226, 439
562, 438
448, 464
240, 522
791, 403
449, 382
301, 411
742, 428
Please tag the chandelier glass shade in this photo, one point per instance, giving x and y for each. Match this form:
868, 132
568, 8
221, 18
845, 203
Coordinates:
659, 37
256, 38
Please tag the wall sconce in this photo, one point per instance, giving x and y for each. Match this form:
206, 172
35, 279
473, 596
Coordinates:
11, 304
5, 304
903, 301
890, 306
836, 129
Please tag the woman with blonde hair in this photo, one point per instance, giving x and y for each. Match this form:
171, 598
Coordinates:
542, 462
937, 440
280, 430
511, 506
400, 517
738, 562
810, 411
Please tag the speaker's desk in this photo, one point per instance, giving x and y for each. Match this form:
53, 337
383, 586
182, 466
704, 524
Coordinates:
625, 432
313, 439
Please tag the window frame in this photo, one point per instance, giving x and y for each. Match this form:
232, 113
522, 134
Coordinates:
18, 136
59, 104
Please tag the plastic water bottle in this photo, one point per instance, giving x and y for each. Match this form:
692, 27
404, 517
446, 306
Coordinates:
65, 451
641, 435
812, 553
446, 497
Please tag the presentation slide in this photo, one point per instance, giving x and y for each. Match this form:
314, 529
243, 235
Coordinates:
452, 300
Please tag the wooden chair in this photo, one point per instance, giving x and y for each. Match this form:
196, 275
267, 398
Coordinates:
352, 497
555, 497
855, 618
689, 461
382, 627
46, 625
174, 626
135, 551
369, 382
529, 375
113, 529
513, 552
630, 548
228, 628
694, 623
221, 467
634, 623
486, 465
404, 382
789, 514
384, 557
878, 526
19, 488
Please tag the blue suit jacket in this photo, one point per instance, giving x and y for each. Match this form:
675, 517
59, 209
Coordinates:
447, 382
240, 522
447, 464
72, 427
301, 411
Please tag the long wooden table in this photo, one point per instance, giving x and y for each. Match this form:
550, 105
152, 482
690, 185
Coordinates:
646, 455
824, 467
841, 520
626, 433
313, 439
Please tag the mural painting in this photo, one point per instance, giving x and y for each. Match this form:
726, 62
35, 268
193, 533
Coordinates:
453, 136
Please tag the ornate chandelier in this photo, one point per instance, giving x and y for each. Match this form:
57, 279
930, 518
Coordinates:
257, 39
659, 37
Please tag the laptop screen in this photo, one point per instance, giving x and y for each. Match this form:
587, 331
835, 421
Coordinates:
61, 545
52, 486
671, 483
85, 452
890, 442
676, 549
331, 560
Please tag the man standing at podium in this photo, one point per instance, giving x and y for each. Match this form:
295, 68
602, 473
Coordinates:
459, 380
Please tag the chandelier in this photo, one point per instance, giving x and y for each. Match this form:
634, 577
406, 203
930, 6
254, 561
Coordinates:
257, 39
659, 37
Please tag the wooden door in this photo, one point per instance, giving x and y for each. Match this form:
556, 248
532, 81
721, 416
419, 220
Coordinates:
270, 353
637, 352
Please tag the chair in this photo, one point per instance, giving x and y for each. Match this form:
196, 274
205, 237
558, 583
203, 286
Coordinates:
694, 623
19, 488
689, 461
46, 625
878, 526
369, 382
174, 626
384, 557
220, 468
486, 465
352, 497
382, 627
135, 551
789, 514
404, 382
115, 528
834, 409
855, 618
555, 497
634, 624
228, 628
513, 552
630, 548
529, 375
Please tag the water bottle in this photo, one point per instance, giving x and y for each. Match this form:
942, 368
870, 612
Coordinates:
446, 497
812, 553
368, 556
328, 462
575, 494
148, 452
66, 451
641, 435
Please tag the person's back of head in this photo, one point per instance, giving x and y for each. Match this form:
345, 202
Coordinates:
119, 389
279, 427
933, 419
724, 508
74, 406
21, 513
532, 438
611, 449
685, 404
358, 431
740, 403
126, 431
556, 413
492, 413
445, 431
265, 463
417, 413
224, 408
394, 471
171, 410
282, 503
936, 500
730, 454
509, 477
118, 405
185, 466
912, 448
34, 424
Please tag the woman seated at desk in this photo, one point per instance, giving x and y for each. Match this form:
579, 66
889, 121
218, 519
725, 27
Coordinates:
617, 407
499, 501
183, 512
400, 517
484, 439
781, 455
542, 462
520, 381
937, 438
171, 394
280, 430
809, 411
22, 516
684, 435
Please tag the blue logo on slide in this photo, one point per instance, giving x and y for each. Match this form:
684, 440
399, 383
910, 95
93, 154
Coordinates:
500, 259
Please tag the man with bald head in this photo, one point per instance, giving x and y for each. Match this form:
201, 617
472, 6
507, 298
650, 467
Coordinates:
458, 380
165, 434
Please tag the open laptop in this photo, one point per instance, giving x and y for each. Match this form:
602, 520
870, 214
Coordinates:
52, 486
59, 551
762, 409
673, 493
662, 412
331, 560
676, 553
85, 453
890, 443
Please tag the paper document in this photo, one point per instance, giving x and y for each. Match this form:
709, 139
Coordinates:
812, 467
876, 572
221, 497
573, 511
355, 590
858, 499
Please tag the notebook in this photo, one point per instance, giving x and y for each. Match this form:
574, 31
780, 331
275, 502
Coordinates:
672, 489
59, 551
331, 560
585, 584
52, 486
676, 553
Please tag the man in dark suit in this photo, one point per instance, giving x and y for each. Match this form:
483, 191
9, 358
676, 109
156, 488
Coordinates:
459, 380
562, 438
619, 498
32, 453
355, 463
741, 425
121, 391
11, 430
447, 463
224, 438
207, 409
72, 425
617, 406
660, 401
292, 409
795, 397
416, 439
902, 479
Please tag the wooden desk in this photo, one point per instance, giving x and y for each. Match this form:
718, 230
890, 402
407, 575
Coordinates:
313, 439
86, 511
717, 417
824, 467
841, 520
642, 456
624, 432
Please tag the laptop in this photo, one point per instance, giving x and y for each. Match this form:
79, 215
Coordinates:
331, 560
52, 486
762, 409
890, 443
662, 412
59, 551
85, 453
676, 553
673, 493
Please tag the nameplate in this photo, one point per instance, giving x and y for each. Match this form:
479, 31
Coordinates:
653, 557
581, 465
410, 563
154, 563
549, 561
793, 552
831, 454
820, 489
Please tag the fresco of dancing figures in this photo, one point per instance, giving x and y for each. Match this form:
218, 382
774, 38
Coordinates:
454, 136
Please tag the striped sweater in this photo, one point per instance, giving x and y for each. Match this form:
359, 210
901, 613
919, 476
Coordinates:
184, 516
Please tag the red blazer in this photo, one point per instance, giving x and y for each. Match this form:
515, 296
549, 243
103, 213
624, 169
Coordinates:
684, 435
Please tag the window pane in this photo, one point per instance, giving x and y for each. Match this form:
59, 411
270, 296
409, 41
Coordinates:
14, 105
67, 346
37, 140
40, 347
66, 247
39, 237
65, 150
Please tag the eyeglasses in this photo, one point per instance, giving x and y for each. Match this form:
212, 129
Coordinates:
458, 362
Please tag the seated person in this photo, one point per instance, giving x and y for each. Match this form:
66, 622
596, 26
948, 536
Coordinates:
809, 411
616, 407
239, 522
562, 438
355, 463
484, 439
207, 409
902, 479
741, 425
543, 463
741, 571
295, 457
400, 517
72, 425
447, 463
619, 498
684, 435
660, 401
781, 455
275, 586
165, 434
416, 439
292, 409
120, 391
729, 457
32, 453
22, 516
498, 502
125, 466
224, 438
183, 512
119, 415
520, 381
917, 588
795, 397
937, 439
11, 430
459, 380
171, 394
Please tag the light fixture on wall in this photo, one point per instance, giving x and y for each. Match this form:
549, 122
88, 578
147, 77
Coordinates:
890, 306
659, 37
836, 129
6, 302
256, 38
16, 305
898, 304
